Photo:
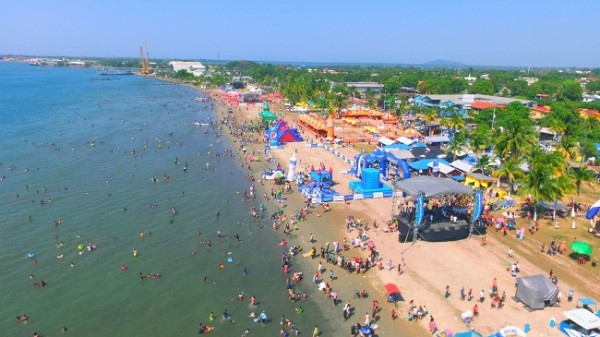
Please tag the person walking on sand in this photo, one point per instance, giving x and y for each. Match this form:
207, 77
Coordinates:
432, 325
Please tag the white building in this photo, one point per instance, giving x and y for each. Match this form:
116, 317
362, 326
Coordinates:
196, 68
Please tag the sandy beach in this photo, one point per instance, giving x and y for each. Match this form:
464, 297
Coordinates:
427, 268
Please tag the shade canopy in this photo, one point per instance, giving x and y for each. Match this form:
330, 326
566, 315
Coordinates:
583, 318
553, 206
432, 186
581, 247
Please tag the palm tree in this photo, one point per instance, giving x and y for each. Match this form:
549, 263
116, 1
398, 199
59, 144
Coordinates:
457, 123
568, 148
445, 122
457, 145
340, 102
480, 139
558, 127
511, 171
580, 174
429, 116
554, 161
514, 141
537, 185
484, 163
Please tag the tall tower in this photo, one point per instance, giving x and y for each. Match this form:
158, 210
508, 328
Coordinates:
330, 127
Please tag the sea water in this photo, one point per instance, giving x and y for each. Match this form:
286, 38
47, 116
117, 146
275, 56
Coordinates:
90, 159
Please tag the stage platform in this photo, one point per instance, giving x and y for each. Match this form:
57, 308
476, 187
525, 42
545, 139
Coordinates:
437, 231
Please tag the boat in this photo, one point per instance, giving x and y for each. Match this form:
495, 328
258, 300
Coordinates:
202, 99
114, 72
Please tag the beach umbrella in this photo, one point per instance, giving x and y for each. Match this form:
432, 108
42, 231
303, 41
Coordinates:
581, 247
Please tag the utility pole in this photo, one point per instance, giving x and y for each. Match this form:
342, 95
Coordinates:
494, 118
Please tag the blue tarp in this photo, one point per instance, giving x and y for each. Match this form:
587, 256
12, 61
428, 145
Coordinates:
597, 148
401, 146
469, 333
586, 301
593, 210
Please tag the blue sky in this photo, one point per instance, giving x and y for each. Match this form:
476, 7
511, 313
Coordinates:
494, 32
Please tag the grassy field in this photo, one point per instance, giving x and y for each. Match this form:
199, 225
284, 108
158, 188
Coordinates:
583, 277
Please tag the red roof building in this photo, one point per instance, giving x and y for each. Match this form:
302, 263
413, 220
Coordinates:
480, 105
590, 113
540, 111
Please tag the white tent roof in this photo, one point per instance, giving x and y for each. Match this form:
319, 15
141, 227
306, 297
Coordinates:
437, 139
462, 165
432, 186
401, 154
404, 140
445, 169
386, 141
583, 318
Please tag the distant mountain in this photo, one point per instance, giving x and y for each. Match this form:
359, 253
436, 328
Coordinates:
443, 64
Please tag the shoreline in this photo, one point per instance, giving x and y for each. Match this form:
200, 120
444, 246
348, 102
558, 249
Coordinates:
327, 227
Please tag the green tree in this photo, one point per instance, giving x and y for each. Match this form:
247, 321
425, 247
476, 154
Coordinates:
429, 116
514, 141
537, 185
480, 139
484, 87
580, 174
570, 90
568, 148
457, 123
457, 145
593, 86
518, 87
511, 171
484, 163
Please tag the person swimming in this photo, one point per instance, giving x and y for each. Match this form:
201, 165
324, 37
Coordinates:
226, 315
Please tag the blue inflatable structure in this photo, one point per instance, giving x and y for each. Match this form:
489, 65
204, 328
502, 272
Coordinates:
370, 184
319, 185
383, 161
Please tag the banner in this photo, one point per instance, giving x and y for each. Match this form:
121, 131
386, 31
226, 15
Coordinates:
420, 210
478, 209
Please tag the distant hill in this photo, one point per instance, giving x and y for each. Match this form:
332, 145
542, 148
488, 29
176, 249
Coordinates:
443, 64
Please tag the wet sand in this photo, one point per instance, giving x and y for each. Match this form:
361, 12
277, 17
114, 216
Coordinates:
329, 227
